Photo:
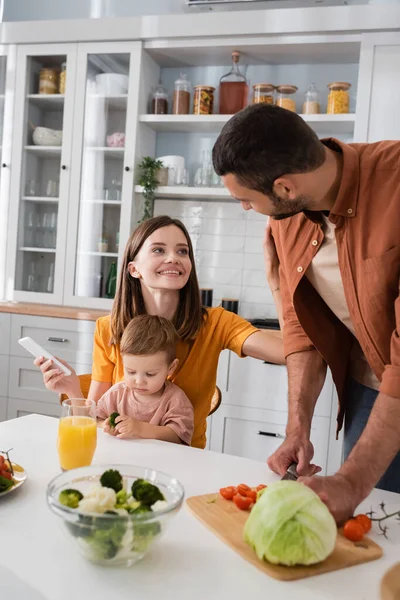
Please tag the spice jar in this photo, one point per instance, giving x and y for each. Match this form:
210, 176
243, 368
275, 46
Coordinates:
263, 92
159, 101
181, 101
285, 98
312, 102
338, 98
48, 81
63, 78
203, 100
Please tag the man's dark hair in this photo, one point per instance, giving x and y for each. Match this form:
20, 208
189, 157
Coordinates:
264, 142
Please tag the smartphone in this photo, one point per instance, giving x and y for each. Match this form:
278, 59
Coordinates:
37, 350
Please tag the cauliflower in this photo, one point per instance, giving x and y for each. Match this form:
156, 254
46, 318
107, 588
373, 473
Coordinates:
159, 505
98, 500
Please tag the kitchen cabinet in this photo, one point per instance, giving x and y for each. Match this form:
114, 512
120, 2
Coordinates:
5, 324
20, 408
3, 408
4, 373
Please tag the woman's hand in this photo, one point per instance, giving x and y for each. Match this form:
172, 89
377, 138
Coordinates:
56, 381
271, 259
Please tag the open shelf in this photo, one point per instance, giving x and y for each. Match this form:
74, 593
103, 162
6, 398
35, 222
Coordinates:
47, 101
213, 123
189, 193
44, 151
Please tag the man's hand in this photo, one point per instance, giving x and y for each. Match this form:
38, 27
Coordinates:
294, 449
337, 493
127, 427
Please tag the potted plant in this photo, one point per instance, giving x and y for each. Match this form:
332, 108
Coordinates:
148, 179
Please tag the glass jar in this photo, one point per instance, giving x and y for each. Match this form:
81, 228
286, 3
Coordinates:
203, 100
263, 92
181, 101
63, 77
159, 101
233, 89
312, 101
285, 97
338, 98
48, 81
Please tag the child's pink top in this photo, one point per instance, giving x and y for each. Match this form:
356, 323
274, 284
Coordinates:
173, 408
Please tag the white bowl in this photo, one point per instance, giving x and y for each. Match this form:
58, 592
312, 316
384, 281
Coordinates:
112, 84
43, 136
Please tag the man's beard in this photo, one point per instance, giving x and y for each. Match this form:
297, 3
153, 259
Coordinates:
289, 208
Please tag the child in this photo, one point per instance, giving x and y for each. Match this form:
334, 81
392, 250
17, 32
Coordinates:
149, 406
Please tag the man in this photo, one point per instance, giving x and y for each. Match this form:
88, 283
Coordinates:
335, 212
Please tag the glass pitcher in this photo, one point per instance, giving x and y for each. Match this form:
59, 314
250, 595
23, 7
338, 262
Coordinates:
233, 89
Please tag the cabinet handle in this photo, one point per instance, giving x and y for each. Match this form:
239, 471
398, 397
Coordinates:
271, 434
4, 165
63, 167
56, 339
127, 169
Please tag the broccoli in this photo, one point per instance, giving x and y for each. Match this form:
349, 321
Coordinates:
139, 509
112, 479
122, 498
111, 419
144, 534
5, 483
106, 538
145, 492
70, 498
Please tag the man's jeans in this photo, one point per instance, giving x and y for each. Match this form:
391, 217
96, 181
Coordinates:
360, 400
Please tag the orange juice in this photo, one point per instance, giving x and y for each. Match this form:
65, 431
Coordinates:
77, 437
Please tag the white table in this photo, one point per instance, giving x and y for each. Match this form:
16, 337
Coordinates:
189, 563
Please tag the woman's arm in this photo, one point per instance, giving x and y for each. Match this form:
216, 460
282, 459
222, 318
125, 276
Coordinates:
97, 389
265, 345
272, 271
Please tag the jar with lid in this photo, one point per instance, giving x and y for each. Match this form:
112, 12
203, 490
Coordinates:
338, 98
285, 97
181, 100
48, 81
203, 100
263, 92
312, 101
159, 101
63, 78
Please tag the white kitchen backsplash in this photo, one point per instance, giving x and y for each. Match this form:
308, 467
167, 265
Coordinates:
227, 243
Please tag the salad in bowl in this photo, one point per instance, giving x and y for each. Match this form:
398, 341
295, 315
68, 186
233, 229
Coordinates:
114, 513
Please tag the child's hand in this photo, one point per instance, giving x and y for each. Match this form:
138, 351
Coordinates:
127, 427
108, 429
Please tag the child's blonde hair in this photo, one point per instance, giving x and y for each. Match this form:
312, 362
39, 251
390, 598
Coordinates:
149, 334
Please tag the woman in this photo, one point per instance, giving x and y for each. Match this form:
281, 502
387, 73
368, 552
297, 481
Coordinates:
158, 277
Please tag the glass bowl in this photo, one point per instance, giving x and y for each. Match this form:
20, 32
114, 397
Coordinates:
114, 540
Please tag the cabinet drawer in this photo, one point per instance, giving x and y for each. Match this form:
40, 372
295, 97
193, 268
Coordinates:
3, 408
253, 383
4, 363
20, 408
239, 430
69, 339
5, 325
26, 380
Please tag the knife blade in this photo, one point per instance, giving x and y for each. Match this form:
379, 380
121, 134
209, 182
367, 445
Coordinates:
291, 473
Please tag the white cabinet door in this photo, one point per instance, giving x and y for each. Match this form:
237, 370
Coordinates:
26, 381
41, 162
256, 434
4, 368
5, 324
253, 383
69, 339
378, 97
20, 408
3, 408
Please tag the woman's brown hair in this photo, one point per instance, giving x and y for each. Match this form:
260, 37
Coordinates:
128, 301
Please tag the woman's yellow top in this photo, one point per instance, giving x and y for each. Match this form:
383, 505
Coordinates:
196, 373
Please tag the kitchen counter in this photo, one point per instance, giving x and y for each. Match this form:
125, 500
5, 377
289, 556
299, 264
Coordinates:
49, 310
38, 562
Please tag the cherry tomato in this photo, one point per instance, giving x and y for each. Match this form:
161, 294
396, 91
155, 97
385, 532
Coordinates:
242, 488
1, 461
353, 530
252, 494
260, 487
6, 474
364, 521
242, 502
228, 492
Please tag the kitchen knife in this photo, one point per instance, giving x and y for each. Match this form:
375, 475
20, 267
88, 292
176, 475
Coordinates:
291, 473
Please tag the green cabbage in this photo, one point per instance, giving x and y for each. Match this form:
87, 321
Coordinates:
290, 525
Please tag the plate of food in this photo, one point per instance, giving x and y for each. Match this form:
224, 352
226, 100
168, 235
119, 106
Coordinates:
12, 475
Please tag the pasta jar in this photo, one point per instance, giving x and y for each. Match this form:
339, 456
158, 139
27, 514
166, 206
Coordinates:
63, 78
48, 81
285, 97
263, 92
203, 100
338, 98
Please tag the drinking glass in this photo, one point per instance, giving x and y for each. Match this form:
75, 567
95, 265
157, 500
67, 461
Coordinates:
77, 433
52, 188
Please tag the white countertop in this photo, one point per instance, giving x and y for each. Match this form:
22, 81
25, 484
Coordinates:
37, 561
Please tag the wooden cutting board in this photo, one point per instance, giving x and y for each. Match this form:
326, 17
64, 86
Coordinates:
227, 522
